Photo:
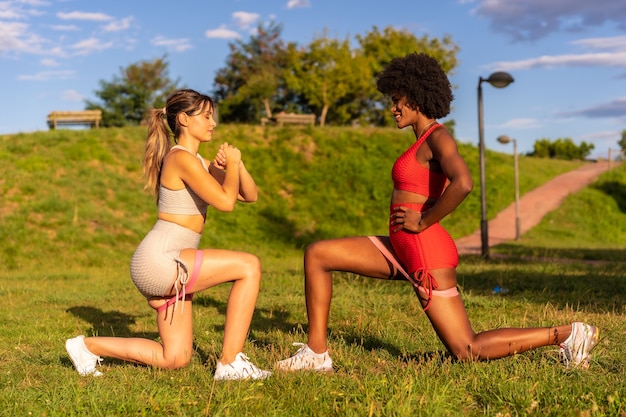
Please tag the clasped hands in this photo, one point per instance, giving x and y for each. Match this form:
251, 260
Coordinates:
226, 155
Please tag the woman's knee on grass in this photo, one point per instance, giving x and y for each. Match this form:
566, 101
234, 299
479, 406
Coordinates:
464, 349
179, 360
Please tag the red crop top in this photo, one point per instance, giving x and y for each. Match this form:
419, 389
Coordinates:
409, 175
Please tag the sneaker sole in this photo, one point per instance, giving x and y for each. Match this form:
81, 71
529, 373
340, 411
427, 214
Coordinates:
584, 364
320, 370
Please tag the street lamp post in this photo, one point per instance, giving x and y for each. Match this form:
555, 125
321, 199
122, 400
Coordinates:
504, 139
499, 80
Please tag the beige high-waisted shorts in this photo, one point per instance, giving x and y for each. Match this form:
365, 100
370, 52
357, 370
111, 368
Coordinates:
155, 265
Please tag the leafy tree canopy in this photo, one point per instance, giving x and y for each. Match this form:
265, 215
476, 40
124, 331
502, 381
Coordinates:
140, 86
622, 141
381, 47
561, 149
252, 80
327, 77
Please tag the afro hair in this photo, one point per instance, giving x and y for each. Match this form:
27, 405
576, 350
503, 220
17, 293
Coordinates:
420, 79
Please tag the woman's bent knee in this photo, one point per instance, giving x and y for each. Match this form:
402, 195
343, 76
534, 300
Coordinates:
312, 249
316, 252
177, 362
251, 267
463, 350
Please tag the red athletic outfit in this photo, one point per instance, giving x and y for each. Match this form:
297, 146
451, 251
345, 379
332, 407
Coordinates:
433, 248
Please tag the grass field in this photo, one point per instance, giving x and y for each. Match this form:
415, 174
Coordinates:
72, 212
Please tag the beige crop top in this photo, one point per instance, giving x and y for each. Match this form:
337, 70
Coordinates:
183, 201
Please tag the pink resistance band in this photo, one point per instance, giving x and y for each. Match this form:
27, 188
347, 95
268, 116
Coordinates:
450, 292
194, 276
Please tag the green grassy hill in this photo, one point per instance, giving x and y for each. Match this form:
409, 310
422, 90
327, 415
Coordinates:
72, 211
73, 197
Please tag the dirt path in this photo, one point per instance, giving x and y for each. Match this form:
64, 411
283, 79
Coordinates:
532, 206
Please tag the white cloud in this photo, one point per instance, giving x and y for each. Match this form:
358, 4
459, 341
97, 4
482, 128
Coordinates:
48, 75
602, 135
35, 2
21, 9
222, 33
9, 11
615, 56
600, 59
177, 45
90, 45
64, 28
616, 43
96, 17
521, 123
49, 62
293, 4
18, 38
71, 95
244, 19
118, 25
12, 36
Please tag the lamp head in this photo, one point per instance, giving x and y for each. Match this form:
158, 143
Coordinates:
500, 79
504, 139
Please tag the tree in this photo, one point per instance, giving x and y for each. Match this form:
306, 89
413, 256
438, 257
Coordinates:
252, 81
140, 86
561, 149
381, 47
327, 77
541, 148
622, 142
327, 72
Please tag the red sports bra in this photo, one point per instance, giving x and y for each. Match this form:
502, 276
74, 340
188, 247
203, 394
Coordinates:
409, 175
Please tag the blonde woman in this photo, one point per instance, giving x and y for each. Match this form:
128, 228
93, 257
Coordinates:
167, 267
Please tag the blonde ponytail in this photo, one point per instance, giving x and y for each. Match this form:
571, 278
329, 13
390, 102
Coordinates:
158, 144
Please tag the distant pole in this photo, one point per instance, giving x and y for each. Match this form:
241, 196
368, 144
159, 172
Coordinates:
504, 139
484, 232
499, 80
516, 169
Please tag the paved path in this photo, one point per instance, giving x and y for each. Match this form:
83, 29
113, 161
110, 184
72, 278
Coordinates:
532, 206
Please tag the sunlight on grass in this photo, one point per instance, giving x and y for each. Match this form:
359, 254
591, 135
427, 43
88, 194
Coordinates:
72, 216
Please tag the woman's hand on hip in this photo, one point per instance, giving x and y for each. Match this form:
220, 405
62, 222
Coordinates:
406, 219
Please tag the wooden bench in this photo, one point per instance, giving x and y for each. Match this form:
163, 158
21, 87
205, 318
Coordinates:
81, 117
290, 118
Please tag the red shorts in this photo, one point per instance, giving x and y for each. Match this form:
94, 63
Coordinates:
433, 248
419, 253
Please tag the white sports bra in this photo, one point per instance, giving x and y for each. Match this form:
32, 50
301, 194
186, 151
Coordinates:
183, 201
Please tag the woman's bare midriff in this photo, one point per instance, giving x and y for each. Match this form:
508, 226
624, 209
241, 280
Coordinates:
407, 197
193, 222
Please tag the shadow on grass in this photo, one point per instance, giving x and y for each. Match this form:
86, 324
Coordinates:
370, 343
593, 287
109, 323
263, 320
613, 189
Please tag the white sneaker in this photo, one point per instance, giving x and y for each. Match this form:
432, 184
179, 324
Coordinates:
240, 368
575, 350
84, 361
306, 360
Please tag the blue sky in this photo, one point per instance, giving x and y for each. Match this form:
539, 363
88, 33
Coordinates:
568, 57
